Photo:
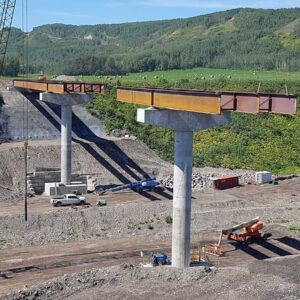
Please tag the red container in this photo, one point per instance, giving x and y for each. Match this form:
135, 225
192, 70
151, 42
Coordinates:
226, 182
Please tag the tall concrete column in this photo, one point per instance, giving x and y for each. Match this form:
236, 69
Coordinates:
66, 144
182, 195
183, 124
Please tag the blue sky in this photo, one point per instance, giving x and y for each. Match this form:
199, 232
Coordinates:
91, 12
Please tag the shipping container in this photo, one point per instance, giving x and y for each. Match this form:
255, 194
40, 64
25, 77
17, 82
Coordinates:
226, 182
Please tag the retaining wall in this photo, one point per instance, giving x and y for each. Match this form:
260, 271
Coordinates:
36, 181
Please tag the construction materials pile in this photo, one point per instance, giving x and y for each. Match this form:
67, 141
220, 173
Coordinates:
204, 179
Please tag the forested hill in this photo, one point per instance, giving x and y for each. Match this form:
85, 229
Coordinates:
240, 38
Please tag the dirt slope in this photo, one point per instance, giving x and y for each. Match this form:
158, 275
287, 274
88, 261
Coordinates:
111, 161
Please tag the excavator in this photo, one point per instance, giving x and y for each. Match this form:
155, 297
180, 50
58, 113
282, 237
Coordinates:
245, 233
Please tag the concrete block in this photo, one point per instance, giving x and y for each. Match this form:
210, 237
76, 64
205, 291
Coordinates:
61, 189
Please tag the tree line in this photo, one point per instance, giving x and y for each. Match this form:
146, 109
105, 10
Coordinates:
240, 38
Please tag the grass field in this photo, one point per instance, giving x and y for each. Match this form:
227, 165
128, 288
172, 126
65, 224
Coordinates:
199, 74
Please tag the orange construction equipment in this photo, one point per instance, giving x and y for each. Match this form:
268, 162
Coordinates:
244, 233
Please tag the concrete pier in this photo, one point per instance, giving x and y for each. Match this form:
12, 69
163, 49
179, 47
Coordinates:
66, 144
66, 101
184, 124
182, 195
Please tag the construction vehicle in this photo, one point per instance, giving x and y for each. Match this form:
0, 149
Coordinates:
101, 202
244, 233
148, 184
68, 199
159, 259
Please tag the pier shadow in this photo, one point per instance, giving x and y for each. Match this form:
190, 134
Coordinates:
291, 242
273, 248
44, 112
250, 251
84, 136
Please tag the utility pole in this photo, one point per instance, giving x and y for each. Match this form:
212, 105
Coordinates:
25, 180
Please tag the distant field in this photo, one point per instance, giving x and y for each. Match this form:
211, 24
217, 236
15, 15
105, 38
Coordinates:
199, 74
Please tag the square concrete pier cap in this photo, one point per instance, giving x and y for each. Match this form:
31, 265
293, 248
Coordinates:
181, 120
66, 99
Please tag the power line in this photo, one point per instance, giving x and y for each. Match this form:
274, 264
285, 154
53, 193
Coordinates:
25, 103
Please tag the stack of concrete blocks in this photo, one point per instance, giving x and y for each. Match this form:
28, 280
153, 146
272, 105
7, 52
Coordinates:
38, 180
52, 189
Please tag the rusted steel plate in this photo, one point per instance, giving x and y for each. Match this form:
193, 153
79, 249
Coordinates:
247, 104
264, 103
208, 102
135, 97
228, 102
284, 105
171, 100
200, 104
39, 86
59, 87
93, 88
73, 87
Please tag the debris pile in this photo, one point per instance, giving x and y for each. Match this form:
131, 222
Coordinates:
203, 180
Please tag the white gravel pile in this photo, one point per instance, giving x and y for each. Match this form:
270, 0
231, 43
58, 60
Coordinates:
66, 78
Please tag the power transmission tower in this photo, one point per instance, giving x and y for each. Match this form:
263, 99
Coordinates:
7, 9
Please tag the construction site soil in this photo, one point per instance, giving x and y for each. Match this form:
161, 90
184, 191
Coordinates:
96, 250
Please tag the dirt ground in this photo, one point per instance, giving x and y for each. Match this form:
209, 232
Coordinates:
28, 266
84, 253
41, 204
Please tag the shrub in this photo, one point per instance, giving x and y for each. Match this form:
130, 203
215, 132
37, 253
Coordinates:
169, 220
150, 226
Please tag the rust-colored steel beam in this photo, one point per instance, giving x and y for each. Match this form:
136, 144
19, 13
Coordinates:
59, 87
208, 102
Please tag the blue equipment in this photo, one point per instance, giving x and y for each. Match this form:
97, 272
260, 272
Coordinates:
148, 184
159, 259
